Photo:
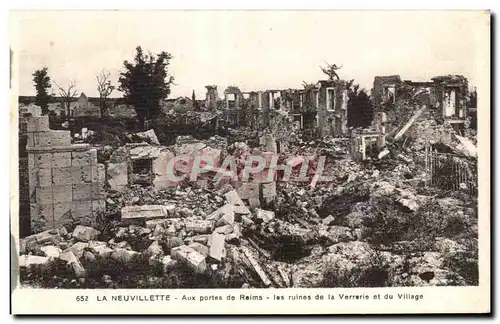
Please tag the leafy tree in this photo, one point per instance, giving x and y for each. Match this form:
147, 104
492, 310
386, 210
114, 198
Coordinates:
105, 89
359, 108
42, 83
195, 104
145, 82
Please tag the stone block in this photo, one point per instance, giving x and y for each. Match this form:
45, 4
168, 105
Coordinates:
43, 177
226, 229
49, 236
200, 248
81, 209
61, 176
62, 213
25, 244
226, 210
77, 249
171, 231
163, 182
42, 139
158, 231
81, 158
190, 257
246, 221
25, 261
172, 242
37, 124
144, 212
304, 235
93, 243
124, 256
44, 195
71, 175
199, 226
61, 159
151, 224
217, 246
30, 139
329, 220
154, 249
74, 261
233, 198
62, 193
117, 175
103, 250
45, 211
43, 160
82, 191
148, 136
51, 251
31, 160
85, 233
60, 138
202, 239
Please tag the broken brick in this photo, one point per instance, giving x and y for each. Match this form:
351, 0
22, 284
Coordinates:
199, 226
192, 258
217, 249
85, 233
202, 249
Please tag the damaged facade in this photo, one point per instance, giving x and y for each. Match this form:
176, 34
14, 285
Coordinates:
321, 109
445, 96
84, 108
398, 207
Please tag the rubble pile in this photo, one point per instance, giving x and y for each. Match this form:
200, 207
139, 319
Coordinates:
373, 224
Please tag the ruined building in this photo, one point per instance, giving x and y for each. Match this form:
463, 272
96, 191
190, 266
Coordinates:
65, 183
84, 108
445, 96
233, 99
320, 108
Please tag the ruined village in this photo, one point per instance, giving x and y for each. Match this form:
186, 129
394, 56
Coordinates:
98, 207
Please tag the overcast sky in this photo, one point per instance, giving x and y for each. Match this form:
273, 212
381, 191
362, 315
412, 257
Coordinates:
255, 50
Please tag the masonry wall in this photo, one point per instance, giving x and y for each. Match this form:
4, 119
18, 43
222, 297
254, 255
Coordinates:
65, 181
332, 122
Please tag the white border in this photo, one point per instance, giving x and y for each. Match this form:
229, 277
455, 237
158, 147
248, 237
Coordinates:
189, 4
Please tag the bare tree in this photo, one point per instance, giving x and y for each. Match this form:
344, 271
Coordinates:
104, 88
67, 95
331, 71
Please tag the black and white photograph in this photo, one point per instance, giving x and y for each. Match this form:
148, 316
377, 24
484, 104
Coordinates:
249, 149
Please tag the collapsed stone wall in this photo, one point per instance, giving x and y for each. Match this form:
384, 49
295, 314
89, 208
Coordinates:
65, 180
